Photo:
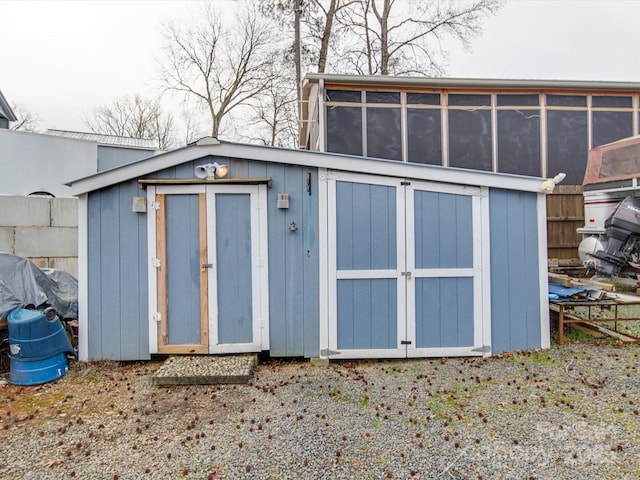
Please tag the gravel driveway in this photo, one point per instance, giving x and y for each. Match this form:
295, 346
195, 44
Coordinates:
564, 413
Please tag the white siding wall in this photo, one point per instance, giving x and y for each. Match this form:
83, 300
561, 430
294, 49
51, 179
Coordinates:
32, 162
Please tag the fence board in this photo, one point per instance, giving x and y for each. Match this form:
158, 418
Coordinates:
565, 213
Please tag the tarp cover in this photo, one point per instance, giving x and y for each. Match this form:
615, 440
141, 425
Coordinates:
22, 284
616, 161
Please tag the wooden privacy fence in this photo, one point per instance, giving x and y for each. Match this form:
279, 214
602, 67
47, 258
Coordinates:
565, 213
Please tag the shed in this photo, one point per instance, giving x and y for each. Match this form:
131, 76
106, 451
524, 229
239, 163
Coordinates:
308, 254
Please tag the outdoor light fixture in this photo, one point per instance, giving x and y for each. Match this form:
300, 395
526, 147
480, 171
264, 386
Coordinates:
209, 171
549, 184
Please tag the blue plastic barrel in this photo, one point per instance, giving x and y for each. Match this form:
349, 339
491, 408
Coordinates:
38, 347
35, 372
33, 337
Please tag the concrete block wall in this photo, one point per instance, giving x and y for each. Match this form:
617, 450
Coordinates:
43, 229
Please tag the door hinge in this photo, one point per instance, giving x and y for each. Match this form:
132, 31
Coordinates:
155, 205
482, 349
405, 342
328, 176
405, 182
155, 262
157, 317
325, 352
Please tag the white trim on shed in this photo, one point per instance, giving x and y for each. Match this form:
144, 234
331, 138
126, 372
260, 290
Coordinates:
387, 168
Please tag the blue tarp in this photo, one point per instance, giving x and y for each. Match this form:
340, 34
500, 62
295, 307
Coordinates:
564, 293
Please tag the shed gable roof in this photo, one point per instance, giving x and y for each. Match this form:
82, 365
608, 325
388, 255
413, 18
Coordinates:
5, 109
212, 147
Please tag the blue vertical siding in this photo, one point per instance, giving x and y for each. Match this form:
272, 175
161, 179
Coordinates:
234, 268
443, 229
293, 260
366, 226
443, 239
183, 269
117, 263
367, 314
111, 157
515, 288
444, 312
366, 240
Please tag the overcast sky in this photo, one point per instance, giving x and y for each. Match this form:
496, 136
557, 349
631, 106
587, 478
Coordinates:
61, 59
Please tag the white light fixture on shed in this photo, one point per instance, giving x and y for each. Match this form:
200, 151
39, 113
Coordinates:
550, 183
209, 171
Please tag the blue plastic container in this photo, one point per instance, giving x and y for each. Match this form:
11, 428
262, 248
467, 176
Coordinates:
33, 337
38, 348
35, 372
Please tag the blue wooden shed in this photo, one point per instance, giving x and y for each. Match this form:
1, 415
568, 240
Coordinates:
308, 254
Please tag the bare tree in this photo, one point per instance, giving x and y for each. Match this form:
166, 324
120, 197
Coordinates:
389, 37
192, 125
220, 67
311, 25
135, 117
317, 17
273, 113
27, 120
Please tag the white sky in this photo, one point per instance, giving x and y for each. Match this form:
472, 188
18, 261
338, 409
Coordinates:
60, 59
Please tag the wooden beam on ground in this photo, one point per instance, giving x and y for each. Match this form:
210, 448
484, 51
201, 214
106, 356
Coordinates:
612, 333
586, 328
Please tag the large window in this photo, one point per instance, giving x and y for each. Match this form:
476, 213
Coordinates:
567, 144
470, 137
384, 129
424, 128
526, 133
611, 118
344, 130
518, 119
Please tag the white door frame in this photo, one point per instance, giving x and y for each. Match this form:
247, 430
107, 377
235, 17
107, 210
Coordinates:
329, 275
259, 264
259, 252
334, 274
481, 298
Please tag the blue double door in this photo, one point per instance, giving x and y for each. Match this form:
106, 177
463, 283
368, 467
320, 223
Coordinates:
407, 276
210, 265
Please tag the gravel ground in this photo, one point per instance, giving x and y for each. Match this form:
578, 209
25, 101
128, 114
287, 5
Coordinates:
564, 413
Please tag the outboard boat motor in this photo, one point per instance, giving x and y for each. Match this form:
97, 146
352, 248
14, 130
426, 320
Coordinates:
621, 240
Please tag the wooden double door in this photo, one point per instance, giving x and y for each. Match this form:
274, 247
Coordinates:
408, 273
210, 269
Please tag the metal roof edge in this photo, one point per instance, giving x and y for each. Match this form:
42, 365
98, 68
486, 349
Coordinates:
305, 158
42, 134
96, 137
453, 82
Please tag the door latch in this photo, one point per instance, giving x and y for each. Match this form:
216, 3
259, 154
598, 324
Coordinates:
204, 266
